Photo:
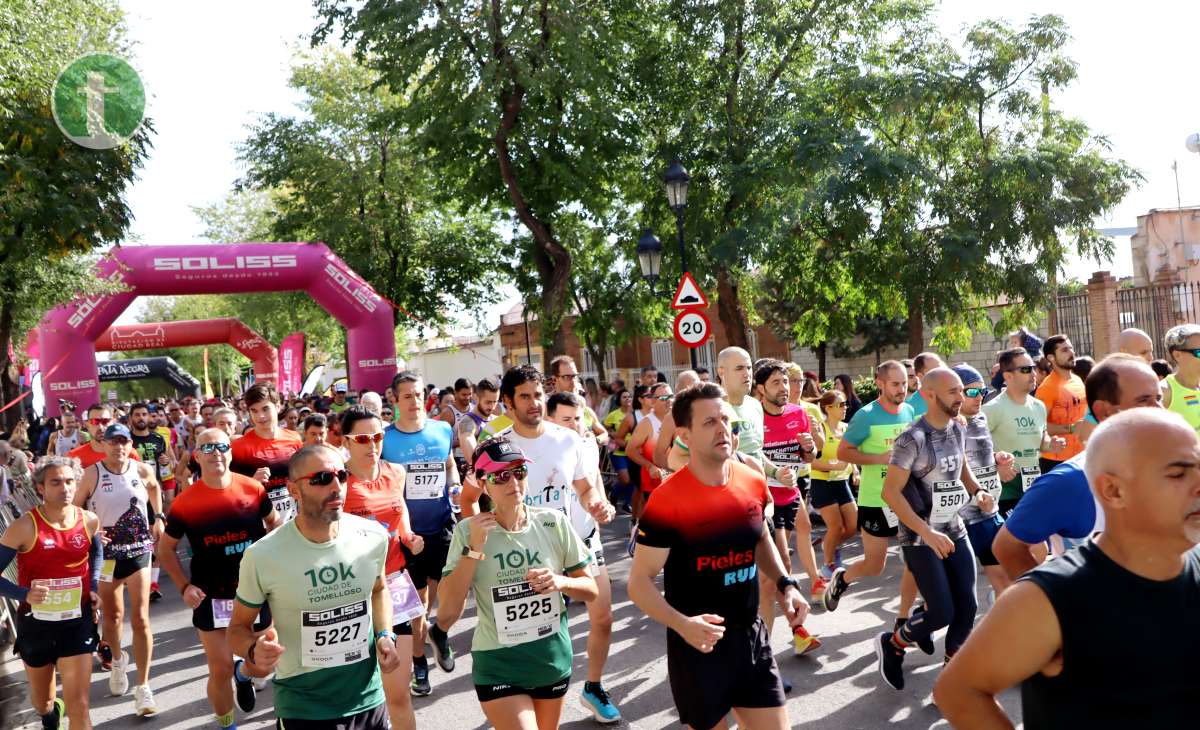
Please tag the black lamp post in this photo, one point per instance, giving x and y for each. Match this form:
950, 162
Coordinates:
676, 181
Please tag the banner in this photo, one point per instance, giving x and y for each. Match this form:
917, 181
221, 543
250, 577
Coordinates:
291, 364
208, 392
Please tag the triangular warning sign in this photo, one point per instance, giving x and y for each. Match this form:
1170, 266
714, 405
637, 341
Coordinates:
688, 295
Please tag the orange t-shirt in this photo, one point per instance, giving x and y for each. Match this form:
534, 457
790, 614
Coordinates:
251, 452
88, 456
1066, 403
382, 499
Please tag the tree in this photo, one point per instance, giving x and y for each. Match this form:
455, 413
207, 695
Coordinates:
517, 104
59, 202
347, 172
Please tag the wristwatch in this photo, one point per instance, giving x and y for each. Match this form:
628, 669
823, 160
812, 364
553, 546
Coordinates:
785, 581
467, 552
386, 632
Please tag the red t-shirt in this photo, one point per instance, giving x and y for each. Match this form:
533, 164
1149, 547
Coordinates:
251, 452
219, 524
88, 456
781, 444
382, 499
712, 533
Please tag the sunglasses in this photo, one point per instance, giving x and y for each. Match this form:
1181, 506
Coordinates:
502, 477
974, 392
363, 439
325, 478
1193, 351
99, 421
213, 446
1023, 369
664, 397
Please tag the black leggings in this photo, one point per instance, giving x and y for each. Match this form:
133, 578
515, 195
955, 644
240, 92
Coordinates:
948, 587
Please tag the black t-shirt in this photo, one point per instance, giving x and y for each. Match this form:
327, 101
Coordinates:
1148, 681
149, 448
220, 524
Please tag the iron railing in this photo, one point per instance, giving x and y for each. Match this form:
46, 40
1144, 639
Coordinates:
1075, 321
1157, 308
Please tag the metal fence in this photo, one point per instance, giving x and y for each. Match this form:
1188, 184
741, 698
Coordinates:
19, 500
1075, 321
1157, 308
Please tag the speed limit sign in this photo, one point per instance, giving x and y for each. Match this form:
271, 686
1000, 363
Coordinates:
692, 328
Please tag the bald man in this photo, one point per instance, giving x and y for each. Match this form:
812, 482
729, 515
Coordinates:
922, 364
1048, 632
666, 433
1059, 503
1135, 342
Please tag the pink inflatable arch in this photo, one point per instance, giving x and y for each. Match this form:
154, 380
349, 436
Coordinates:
190, 332
68, 332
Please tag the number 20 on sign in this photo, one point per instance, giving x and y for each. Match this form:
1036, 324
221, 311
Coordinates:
692, 328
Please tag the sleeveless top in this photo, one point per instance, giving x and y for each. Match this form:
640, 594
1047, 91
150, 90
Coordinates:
829, 453
57, 553
65, 443
120, 500
1185, 401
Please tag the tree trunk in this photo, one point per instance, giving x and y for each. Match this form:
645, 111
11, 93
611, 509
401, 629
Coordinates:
916, 328
9, 388
821, 351
729, 310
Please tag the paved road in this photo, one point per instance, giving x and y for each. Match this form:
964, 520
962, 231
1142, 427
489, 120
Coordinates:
839, 687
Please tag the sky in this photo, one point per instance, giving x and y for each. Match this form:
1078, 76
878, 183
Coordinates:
210, 69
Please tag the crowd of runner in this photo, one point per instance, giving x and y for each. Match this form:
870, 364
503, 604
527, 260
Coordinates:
323, 543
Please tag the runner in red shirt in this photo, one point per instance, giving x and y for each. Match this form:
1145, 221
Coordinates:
98, 418
264, 452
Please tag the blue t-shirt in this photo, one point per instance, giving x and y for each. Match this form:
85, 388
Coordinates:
919, 406
1059, 502
423, 455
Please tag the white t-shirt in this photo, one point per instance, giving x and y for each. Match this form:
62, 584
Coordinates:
556, 460
581, 519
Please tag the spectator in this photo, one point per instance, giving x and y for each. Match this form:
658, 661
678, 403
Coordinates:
842, 383
1083, 366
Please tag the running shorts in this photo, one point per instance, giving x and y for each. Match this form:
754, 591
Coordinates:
427, 565
740, 671
872, 521
826, 493
489, 692
45, 642
373, 719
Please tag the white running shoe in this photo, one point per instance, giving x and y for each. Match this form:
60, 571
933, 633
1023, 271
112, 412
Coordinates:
260, 683
143, 701
118, 681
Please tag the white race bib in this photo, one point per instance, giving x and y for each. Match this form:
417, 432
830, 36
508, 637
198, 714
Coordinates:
334, 637
64, 602
424, 480
283, 503
893, 520
222, 610
989, 479
948, 499
406, 603
1028, 475
523, 615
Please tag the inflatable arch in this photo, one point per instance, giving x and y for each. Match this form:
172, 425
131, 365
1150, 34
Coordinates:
191, 332
68, 332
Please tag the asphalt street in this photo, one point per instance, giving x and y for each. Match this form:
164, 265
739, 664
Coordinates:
836, 687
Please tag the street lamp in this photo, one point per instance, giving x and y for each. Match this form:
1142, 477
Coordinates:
676, 180
649, 253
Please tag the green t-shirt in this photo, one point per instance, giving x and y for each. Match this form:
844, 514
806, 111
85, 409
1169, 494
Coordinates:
873, 430
750, 437
337, 408
320, 598
1018, 430
536, 650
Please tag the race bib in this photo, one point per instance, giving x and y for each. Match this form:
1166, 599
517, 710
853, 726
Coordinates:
406, 603
1029, 474
893, 520
222, 611
283, 503
64, 602
989, 479
107, 568
424, 480
523, 615
335, 637
948, 499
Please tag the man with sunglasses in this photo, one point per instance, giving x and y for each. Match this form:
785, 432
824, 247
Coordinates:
99, 417
324, 576
1017, 423
566, 380
221, 515
421, 445
1181, 389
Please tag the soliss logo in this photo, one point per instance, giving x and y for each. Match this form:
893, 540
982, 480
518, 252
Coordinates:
77, 385
377, 363
360, 294
217, 263
85, 308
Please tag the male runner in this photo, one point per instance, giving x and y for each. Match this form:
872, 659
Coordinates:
422, 446
459, 404
466, 431
566, 409
66, 438
221, 515
649, 376
1135, 342
1181, 389
264, 452
1066, 405
566, 380
314, 429
323, 576
99, 418
339, 403
153, 449
125, 495
705, 528
1143, 571
921, 364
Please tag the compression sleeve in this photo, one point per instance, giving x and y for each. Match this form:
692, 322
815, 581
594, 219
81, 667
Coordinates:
8, 589
96, 556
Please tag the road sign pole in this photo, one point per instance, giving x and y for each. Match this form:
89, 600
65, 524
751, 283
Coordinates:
684, 265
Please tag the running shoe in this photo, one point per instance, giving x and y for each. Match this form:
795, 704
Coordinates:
155, 594
104, 654
441, 648
891, 661
243, 690
260, 683
419, 685
143, 701
826, 572
926, 644
53, 720
818, 589
595, 699
118, 680
804, 642
833, 594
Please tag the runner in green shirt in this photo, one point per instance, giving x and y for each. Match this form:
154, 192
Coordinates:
518, 561
323, 575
